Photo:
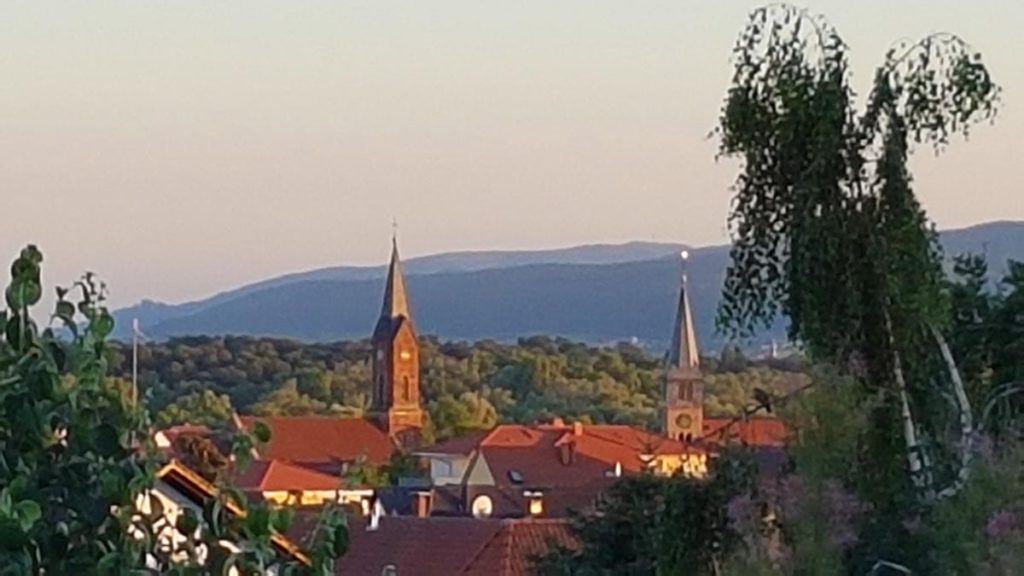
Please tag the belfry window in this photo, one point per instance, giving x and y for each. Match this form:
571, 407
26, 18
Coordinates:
686, 391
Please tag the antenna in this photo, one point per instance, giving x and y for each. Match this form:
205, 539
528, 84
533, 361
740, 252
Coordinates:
685, 257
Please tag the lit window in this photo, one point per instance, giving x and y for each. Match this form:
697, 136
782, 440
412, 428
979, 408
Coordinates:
482, 507
536, 507
536, 502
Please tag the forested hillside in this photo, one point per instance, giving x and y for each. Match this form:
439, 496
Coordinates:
594, 294
465, 385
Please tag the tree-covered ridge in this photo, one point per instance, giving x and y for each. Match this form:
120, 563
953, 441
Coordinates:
466, 385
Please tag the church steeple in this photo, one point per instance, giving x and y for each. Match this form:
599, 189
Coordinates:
684, 387
396, 358
396, 303
683, 353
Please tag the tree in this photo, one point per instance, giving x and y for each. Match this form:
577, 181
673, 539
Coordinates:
453, 417
828, 231
75, 458
204, 407
288, 401
655, 525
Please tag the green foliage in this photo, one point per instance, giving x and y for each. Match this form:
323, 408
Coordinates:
401, 465
656, 525
986, 338
828, 231
202, 407
966, 530
465, 386
76, 462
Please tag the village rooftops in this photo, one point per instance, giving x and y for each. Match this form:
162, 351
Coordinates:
322, 442
545, 470
447, 546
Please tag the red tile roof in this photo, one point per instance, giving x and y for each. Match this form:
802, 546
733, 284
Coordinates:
322, 439
515, 548
535, 452
448, 546
196, 489
277, 475
758, 432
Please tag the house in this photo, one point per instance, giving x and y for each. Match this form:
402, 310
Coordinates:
178, 489
323, 443
408, 545
544, 470
283, 483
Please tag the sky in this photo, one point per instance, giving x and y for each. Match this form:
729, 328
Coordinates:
182, 148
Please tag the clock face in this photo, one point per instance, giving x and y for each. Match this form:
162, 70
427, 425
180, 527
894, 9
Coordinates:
405, 355
684, 421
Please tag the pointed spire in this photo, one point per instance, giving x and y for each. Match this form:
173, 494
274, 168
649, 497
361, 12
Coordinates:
683, 353
396, 303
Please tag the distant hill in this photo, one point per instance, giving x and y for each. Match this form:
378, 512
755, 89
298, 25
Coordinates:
598, 293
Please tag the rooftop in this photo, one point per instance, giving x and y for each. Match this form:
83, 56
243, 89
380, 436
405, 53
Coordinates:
280, 476
323, 440
446, 546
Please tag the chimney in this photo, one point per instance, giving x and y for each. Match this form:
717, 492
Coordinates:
421, 504
577, 428
376, 513
558, 422
567, 452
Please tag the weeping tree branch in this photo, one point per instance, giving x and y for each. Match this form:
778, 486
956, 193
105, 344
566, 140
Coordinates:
1001, 393
965, 417
920, 474
889, 565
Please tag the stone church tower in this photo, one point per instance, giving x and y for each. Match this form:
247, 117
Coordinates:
684, 388
395, 407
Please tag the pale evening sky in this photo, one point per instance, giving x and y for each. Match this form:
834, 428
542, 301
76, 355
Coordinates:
182, 148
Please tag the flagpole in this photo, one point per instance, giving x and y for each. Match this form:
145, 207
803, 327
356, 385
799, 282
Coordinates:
135, 362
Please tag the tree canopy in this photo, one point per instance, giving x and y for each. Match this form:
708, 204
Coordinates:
77, 464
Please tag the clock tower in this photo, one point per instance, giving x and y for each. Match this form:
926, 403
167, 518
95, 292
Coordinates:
395, 406
684, 386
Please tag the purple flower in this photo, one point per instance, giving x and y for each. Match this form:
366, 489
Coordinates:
844, 512
792, 493
983, 447
1001, 524
740, 510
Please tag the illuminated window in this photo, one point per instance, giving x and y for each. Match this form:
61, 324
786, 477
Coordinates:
536, 502
482, 506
